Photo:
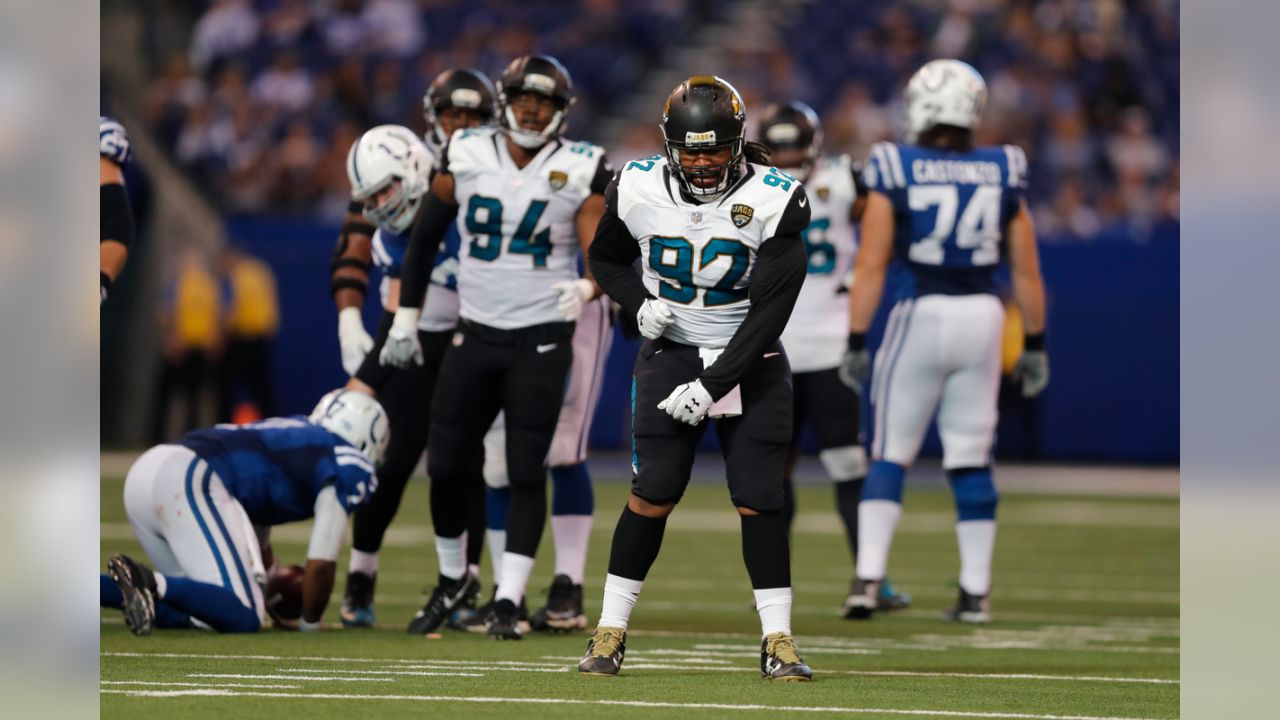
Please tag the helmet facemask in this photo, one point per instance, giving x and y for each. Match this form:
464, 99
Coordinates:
525, 137
397, 211
705, 183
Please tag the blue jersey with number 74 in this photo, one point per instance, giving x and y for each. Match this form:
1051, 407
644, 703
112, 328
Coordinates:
950, 209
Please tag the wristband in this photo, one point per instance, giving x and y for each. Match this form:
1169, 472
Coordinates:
1034, 343
857, 341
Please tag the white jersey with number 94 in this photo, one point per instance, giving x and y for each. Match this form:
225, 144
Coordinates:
517, 224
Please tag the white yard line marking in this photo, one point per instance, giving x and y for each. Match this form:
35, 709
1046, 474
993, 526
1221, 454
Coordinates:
423, 670
646, 664
317, 678
199, 685
623, 703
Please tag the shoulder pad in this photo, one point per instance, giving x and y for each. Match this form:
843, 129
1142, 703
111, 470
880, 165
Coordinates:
1017, 162
884, 167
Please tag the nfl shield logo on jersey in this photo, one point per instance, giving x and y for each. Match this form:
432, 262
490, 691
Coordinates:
557, 179
824, 193
695, 217
742, 214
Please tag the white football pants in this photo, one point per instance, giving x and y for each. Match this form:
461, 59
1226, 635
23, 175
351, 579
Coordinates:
940, 352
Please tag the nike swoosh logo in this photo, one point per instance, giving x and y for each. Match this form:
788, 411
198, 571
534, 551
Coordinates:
804, 202
546, 348
768, 355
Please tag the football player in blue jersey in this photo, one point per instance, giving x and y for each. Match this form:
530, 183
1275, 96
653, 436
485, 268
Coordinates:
194, 507
951, 213
116, 228
389, 170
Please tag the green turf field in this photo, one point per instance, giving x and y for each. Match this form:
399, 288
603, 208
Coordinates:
1086, 610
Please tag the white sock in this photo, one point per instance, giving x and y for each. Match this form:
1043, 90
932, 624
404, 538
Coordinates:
452, 553
977, 540
497, 540
774, 606
363, 562
161, 586
516, 569
620, 596
571, 533
877, 519
474, 569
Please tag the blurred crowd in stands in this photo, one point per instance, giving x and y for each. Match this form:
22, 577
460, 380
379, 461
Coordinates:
264, 103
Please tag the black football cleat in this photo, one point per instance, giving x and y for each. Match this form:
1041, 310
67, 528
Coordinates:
503, 622
447, 595
138, 586
972, 609
605, 652
780, 661
563, 611
864, 598
357, 602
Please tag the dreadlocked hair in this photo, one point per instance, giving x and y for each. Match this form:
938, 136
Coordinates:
757, 153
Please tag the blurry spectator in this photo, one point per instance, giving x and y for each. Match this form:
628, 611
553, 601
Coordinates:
344, 30
252, 321
394, 27
190, 328
1134, 154
286, 26
227, 28
1069, 214
285, 84
1069, 149
296, 159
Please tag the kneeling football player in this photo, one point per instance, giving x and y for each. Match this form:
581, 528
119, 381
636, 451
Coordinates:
717, 232
194, 505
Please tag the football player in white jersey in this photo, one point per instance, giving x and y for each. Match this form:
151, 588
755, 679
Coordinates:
389, 170
528, 201
116, 229
815, 335
950, 213
717, 231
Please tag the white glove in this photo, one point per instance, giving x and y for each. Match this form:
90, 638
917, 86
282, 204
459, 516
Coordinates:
573, 293
1032, 372
653, 318
353, 339
402, 348
855, 369
688, 403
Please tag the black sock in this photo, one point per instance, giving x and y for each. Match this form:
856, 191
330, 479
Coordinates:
848, 495
636, 542
526, 518
766, 550
788, 502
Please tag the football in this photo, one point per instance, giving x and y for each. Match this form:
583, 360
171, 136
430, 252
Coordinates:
284, 594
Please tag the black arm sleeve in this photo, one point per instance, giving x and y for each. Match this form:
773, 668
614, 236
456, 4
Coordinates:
781, 264
116, 221
603, 175
612, 253
859, 185
432, 223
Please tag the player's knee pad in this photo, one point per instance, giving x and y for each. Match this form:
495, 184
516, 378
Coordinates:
969, 448
495, 470
844, 463
884, 482
975, 493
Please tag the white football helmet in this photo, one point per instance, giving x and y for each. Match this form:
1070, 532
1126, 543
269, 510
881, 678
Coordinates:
356, 418
944, 92
383, 155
